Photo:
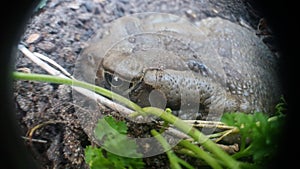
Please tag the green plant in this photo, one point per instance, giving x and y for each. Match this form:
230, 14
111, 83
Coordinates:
259, 134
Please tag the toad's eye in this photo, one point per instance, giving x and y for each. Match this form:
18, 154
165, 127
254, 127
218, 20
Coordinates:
117, 84
113, 81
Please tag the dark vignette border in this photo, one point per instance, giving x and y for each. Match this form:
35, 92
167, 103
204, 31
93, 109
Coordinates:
14, 15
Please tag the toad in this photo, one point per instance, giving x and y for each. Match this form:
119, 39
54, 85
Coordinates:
199, 71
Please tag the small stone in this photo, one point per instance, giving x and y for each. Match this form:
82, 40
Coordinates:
77, 37
33, 38
99, 1
191, 13
74, 6
85, 16
47, 46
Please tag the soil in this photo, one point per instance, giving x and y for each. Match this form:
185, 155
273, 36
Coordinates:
60, 30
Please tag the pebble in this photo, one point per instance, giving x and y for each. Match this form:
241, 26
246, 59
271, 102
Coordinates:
85, 16
33, 38
47, 46
74, 6
190, 13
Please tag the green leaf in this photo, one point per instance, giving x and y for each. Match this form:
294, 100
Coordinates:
125, 162
95, 159
121, 145
117, 146
108, 125
120, 126
113, 135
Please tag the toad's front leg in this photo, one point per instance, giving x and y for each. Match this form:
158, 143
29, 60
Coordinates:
188, 93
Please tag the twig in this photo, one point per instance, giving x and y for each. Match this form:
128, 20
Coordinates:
114, 106
39, 62
34, 140
45, 58
177, 133
223, 134
230, 149
30, 132
208, 124
204, 124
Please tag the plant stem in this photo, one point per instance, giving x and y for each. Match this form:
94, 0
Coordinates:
229, 162
71, 82
243, 153
201, 154
172, 157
